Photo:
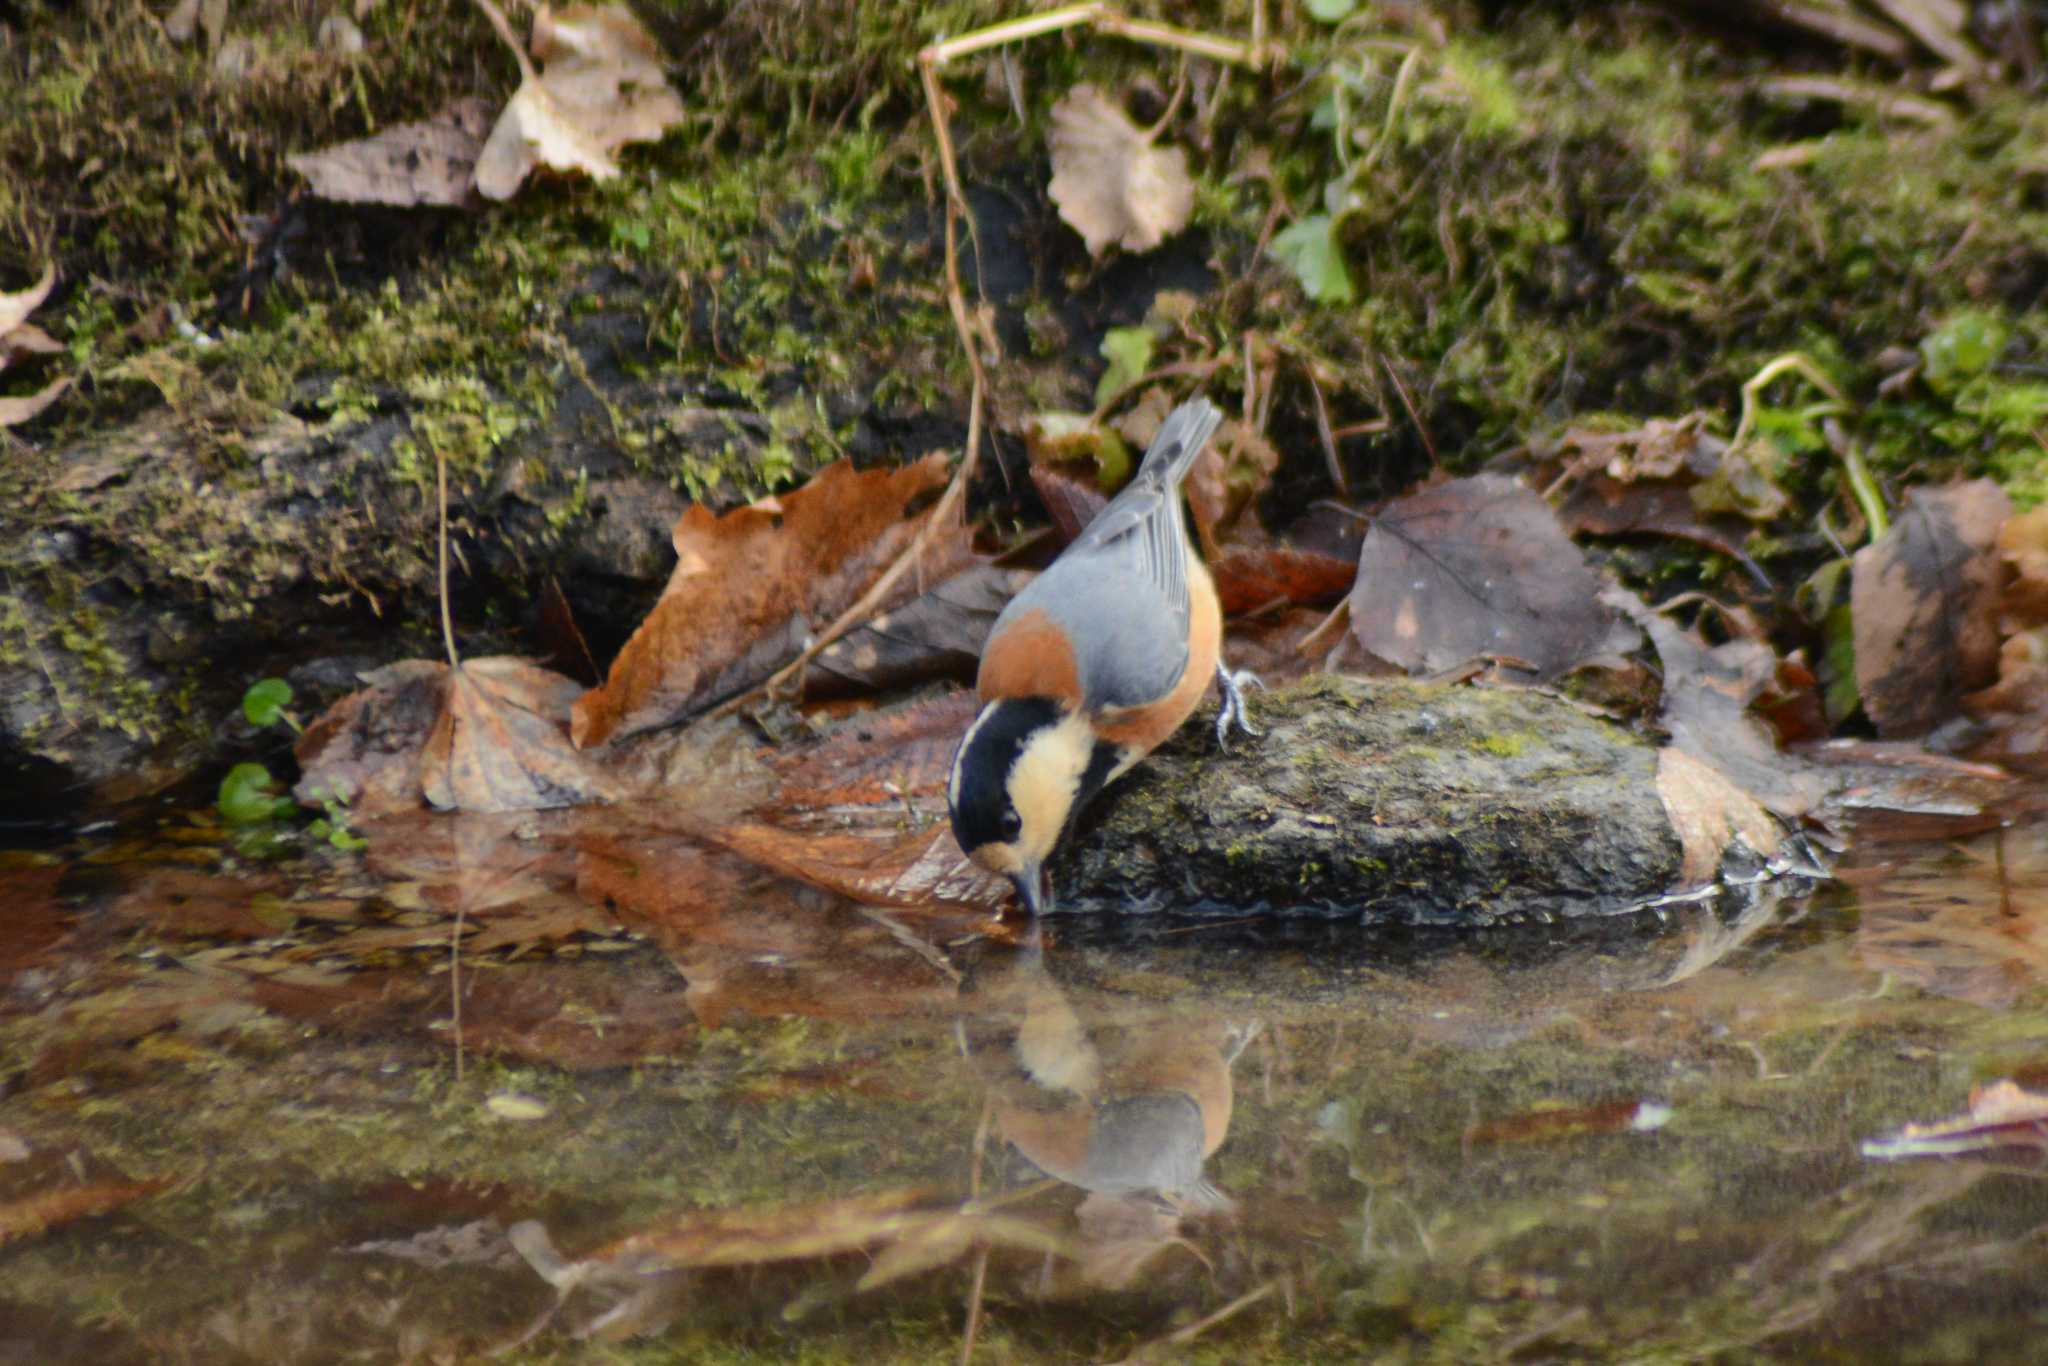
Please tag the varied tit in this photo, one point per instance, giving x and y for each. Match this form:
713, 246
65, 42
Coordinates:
1091, 667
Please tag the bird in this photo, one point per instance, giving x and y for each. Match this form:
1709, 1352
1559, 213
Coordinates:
1091, 667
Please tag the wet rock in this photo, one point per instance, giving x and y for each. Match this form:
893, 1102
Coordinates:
1388, 801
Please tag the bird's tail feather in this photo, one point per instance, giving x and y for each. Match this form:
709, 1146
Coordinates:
1180, 440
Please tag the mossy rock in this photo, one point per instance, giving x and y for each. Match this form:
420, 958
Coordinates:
1385, 801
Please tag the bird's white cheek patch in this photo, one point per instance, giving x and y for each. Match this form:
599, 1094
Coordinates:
1045, 780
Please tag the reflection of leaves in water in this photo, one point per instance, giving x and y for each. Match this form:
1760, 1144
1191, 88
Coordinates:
904, 1230
1971, 923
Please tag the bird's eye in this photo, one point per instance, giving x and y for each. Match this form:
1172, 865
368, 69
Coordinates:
1013, 824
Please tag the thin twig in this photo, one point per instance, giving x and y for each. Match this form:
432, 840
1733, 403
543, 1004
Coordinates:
974, 1297
1413, 416
447, 618
1329, 438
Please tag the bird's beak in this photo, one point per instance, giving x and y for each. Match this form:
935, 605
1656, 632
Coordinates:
1030, 884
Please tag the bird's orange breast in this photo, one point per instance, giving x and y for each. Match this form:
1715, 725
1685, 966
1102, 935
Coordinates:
1031, 657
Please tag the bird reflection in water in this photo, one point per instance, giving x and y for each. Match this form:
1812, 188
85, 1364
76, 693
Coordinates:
1126, 1104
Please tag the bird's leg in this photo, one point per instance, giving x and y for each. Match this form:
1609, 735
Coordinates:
1232, 712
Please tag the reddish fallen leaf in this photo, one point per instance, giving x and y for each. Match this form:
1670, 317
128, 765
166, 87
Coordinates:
916, 869
1252, 577
751, 586
1475, 569
499, 744
1924, 600
486, 737
878, 758
26, 1216
2001, 1115
1616, 1116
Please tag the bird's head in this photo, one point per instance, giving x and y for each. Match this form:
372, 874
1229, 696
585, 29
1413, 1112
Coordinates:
1023, 768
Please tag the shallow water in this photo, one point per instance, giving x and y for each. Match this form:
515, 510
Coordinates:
236, 1124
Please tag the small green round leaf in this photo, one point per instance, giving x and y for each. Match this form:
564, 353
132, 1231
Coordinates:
246, 796
266, 700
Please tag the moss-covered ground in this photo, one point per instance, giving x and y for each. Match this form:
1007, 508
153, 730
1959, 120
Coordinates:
1555, 219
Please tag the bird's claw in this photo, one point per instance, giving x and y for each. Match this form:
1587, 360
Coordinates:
1232, 712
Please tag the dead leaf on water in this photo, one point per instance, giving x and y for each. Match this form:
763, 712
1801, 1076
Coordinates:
1709, 812
1968, 922
26, 1216
500, 743
1112, 185
1708, 691
2002, 1115
490, 736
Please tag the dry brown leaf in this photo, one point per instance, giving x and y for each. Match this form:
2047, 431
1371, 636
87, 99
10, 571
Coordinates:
1706, 709
27, 341
28, 1215
365, 749
15, 307
1708, 812
15, 411
2015, 708
499, 744
1475, 569
1924, 602
432, 161
600, 87
2001, 1115
487, 737
751, 586
1111, 184
915, 870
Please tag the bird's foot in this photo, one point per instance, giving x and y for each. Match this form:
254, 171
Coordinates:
1232, 712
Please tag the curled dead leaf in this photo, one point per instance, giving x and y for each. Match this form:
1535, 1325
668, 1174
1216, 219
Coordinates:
749, 587
600, 86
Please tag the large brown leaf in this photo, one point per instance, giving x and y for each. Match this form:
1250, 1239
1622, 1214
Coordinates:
749, 588
486, 737
1476, 569
1924, 600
